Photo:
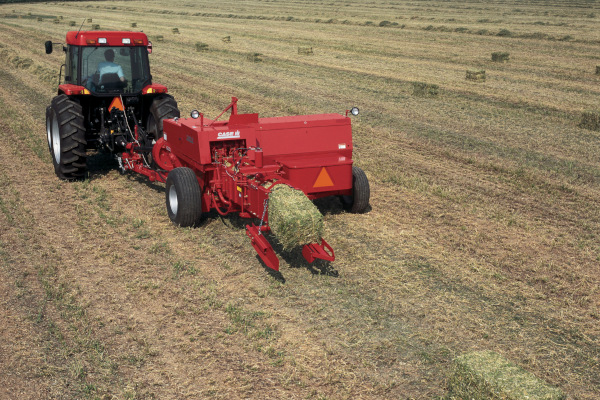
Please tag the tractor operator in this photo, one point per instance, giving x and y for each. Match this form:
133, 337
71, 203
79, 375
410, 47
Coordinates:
109, 66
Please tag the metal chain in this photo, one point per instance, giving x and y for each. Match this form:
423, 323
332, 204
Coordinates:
265, 203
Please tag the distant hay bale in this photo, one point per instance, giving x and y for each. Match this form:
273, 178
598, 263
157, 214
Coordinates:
89, 20
159, 38
477, 75
226, 39
201, 46
597, 69
255, 57
56, 21
499, 56
40, 19
425, 89
175, 30
134, 24
485, 375
72, 23
305, 50
293, 218
96, 27
590, 120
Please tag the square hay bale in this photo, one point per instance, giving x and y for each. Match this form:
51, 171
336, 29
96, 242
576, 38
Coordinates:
96, 27
477, 75
590, 120
175, 30
255, 57
159, 38
486, 375
72, 23
201, 46
226, 39
499, 56
305, 50
56, 21
425, 89
89, 20
293, 218
40, 19
134, 24
597, 69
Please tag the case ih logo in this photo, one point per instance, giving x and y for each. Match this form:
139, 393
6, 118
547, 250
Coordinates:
228, 135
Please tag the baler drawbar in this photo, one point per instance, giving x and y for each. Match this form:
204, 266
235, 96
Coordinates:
232, 166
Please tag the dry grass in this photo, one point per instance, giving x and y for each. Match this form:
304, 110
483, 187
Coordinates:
483, 232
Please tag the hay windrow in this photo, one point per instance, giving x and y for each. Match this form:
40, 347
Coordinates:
293, 218
486, 375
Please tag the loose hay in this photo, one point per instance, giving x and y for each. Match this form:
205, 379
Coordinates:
293, 218
425, 89
485, 375
590, 120
477, 75
500, 57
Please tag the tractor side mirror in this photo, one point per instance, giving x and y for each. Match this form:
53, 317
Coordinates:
149, 47
48, 47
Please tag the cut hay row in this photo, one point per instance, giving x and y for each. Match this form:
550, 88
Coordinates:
293, 218
486, 375
477, 75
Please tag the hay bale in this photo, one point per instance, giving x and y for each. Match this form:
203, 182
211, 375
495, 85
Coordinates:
89, 20
485, 375
226, 39
159, 38
590, 120
96, 27
40, 19
597, 69
201, 46
293, 218
305, 50
57, 21
477, 75
499, 56
255, 57
425, 89
134, 24
175, 31
72, 23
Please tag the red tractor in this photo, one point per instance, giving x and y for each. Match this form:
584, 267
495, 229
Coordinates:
107, 94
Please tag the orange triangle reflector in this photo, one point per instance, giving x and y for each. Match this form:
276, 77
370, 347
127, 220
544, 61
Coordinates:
116, 103
323, 179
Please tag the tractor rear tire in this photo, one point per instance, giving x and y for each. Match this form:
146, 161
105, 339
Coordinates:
183, 197
66, 138
358, 203
162, 107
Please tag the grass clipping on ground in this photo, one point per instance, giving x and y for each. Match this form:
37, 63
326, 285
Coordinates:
293, 218
485, 375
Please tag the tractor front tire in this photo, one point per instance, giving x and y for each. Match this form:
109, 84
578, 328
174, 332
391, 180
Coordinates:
183, 197
162, 107
66, 138
358, 202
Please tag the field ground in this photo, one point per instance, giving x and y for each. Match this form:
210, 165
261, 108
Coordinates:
483, 234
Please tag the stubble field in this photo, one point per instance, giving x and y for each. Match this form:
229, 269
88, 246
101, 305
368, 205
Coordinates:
483, 233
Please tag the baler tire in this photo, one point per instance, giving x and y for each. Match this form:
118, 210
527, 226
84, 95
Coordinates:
66, 138
162, 107
358, 203
183, 197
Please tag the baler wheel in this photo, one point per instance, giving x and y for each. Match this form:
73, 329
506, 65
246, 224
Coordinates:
163, 107
183, 197
361, 193
66, 138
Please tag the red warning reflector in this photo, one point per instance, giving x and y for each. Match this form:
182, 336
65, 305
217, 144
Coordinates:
116, 103
323, 179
